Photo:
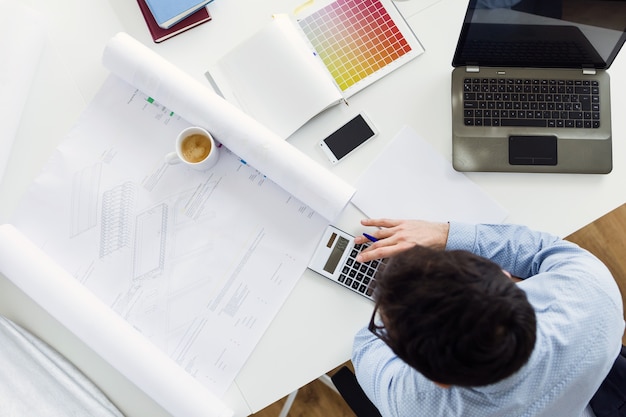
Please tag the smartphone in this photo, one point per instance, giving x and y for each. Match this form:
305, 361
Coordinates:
347, 138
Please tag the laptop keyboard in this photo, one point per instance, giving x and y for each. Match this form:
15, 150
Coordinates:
357, 276
531, 103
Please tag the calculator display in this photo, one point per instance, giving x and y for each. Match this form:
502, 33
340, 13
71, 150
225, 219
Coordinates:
336, 254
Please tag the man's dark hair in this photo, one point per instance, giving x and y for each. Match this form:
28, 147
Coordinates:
455, 317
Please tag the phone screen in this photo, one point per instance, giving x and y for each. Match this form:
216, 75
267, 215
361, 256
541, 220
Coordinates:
348, 137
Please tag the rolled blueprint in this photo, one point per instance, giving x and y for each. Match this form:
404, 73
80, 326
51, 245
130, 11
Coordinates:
281, 162
103, 330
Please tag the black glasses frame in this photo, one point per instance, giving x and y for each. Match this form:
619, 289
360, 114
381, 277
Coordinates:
376, 329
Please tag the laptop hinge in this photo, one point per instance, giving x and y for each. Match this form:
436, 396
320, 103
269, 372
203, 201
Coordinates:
589, 71
472, 69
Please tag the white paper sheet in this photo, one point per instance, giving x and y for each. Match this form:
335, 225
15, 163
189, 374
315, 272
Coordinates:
198, 262
21, 43
131, 354
411, 180
284, 164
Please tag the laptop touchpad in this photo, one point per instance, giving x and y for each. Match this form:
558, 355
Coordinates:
532, 150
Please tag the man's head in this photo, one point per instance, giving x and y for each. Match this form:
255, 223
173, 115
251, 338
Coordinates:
454, 316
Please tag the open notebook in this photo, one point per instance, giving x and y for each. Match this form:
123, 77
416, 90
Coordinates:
296, 67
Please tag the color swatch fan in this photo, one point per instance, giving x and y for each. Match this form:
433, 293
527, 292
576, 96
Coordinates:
360, 41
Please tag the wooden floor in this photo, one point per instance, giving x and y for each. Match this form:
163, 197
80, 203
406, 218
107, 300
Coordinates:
605, 238
313, 400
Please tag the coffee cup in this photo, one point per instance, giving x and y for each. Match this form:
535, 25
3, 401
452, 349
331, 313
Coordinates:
196, 148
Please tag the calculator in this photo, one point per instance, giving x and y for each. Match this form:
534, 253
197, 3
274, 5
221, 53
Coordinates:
335, 259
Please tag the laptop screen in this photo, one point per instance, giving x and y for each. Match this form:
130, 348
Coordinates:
542, 33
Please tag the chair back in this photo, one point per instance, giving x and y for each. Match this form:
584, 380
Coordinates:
610, 399
353, 394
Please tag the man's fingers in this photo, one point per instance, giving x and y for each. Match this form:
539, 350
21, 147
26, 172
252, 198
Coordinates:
381, 252
380, 222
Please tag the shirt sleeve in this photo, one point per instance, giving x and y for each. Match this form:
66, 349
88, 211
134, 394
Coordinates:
384, 378
522, 251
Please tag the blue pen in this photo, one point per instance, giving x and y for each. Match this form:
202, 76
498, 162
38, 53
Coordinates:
370, 237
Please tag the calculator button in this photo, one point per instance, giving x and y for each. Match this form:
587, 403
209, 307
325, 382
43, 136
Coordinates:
359, 276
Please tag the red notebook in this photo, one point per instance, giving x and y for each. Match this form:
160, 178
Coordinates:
159, 34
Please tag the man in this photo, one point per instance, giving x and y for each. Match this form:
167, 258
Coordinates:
455, 334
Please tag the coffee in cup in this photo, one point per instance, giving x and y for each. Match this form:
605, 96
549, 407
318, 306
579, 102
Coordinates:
196, 148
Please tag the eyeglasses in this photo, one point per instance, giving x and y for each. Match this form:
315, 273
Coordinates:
377, 329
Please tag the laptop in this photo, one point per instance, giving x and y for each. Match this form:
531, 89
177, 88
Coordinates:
530, 91
335, 259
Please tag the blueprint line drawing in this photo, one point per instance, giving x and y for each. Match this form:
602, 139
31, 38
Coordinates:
85, 199
117, 208
198, 262
150, 240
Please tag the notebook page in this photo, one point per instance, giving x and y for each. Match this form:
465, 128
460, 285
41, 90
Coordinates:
275, 77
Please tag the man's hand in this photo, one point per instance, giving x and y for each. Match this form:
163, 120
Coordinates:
396, 236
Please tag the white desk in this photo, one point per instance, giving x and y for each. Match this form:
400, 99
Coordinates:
306, 339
